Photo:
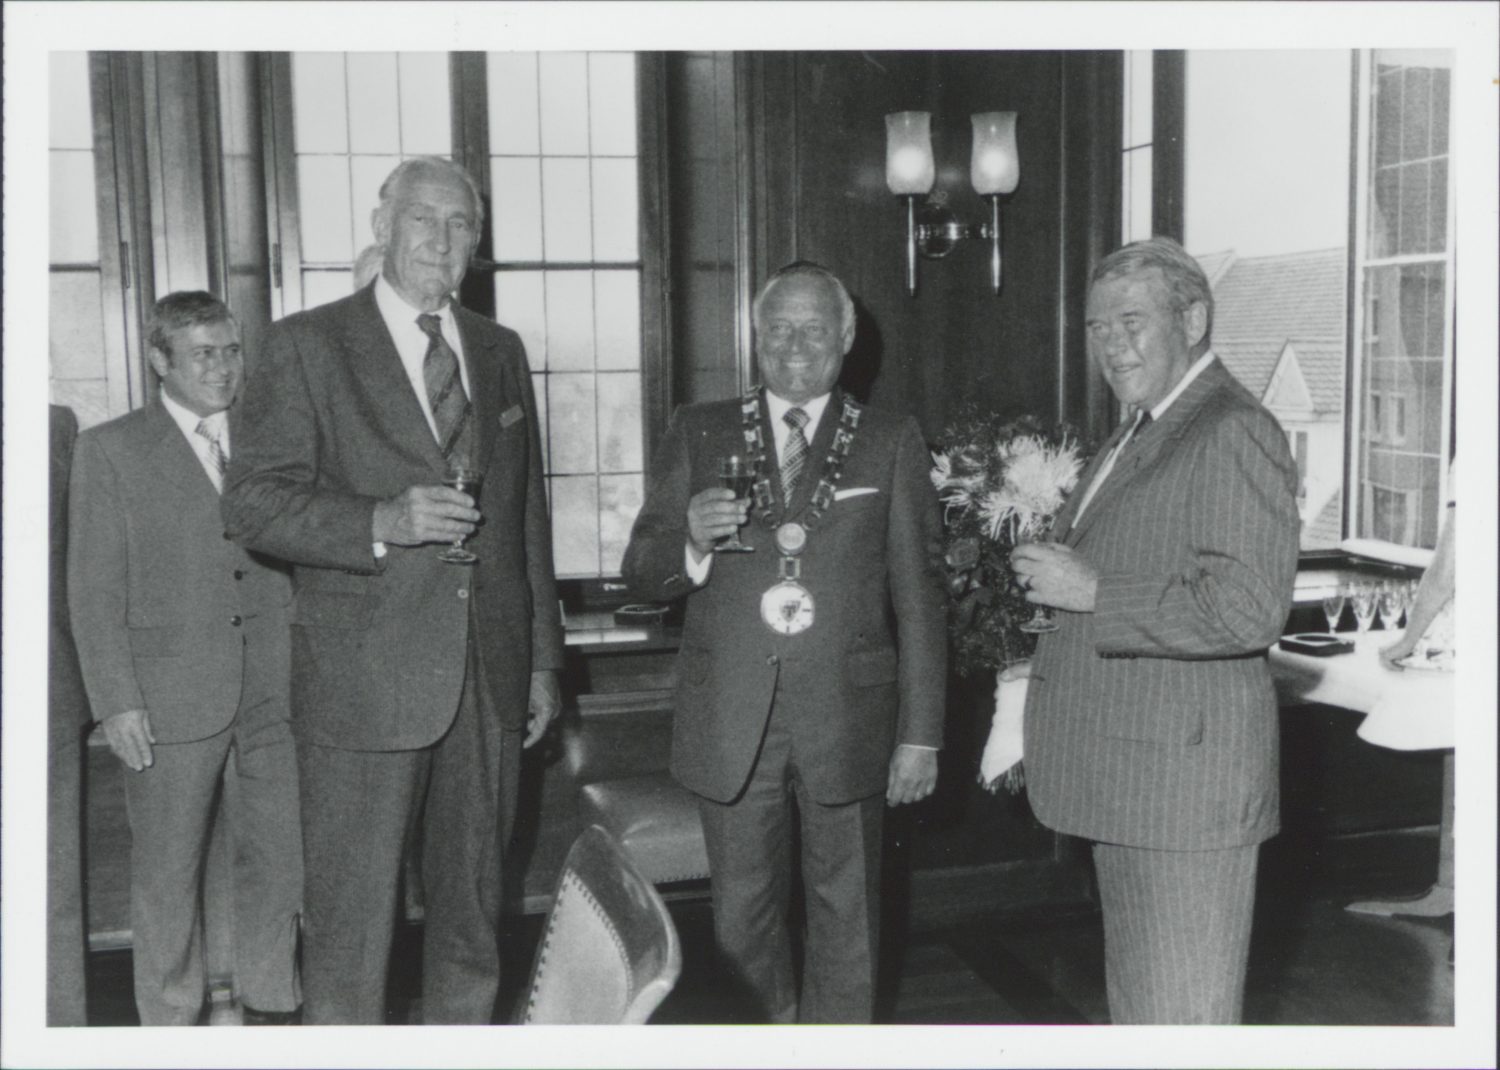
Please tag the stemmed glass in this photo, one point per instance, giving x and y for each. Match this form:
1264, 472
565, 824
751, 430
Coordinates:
466, 480
1041, 620
1333, 607
1392, 604
736, 474
1363, 600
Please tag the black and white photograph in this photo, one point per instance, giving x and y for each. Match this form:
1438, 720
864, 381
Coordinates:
738, 519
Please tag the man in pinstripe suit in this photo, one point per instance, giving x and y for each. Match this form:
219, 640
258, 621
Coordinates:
1151, 719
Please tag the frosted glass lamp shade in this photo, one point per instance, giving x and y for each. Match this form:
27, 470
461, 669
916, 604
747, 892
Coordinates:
909, 169
996, 167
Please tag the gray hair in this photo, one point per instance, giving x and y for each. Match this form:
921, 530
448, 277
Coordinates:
407, 169
1185, 281
803, 269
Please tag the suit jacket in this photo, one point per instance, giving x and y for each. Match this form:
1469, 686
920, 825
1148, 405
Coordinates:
159, 596
1151, 722
869, 673
67, 704
330, 426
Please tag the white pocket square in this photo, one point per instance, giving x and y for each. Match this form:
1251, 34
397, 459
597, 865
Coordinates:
854, 492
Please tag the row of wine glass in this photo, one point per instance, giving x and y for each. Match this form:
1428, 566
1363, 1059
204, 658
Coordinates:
1390, 599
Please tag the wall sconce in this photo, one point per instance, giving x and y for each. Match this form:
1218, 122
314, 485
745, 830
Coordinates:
994, 171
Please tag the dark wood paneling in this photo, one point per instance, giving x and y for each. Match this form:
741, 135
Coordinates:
1168, 153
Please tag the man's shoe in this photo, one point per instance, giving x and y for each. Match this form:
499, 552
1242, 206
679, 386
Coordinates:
251, 1016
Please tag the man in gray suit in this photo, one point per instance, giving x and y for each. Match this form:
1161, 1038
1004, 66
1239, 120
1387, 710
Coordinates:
412, 678
811, 668
182, 639
1151, 719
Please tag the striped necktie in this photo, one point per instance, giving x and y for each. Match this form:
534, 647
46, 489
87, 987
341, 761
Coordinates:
217, 458
445, 389
794, 456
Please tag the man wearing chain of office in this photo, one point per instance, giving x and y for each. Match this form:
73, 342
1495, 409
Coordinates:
814, 647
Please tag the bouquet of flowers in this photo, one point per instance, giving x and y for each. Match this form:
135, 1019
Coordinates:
1001, 482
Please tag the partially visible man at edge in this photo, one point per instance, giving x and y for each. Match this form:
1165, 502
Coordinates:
413, 679
1151, 724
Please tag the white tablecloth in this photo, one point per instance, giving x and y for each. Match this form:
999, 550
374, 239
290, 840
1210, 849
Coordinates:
1411, 710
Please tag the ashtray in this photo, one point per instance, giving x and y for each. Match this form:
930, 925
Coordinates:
640, 613
1317, 644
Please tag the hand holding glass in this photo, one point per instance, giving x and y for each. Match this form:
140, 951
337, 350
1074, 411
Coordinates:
737, 475
467, 481
1041, 619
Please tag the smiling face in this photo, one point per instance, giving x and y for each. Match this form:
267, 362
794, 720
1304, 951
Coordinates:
1142, 345
204, 368
800, 338
428, 229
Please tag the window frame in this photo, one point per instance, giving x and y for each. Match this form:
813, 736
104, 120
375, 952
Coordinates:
1168, 177
468, 81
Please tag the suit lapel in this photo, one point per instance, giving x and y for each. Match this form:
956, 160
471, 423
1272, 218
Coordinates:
174, 458
490, 392
1090, 471
1153, 442
372, 356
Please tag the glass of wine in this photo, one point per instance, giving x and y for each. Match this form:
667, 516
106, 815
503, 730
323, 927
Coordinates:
1391, 604
1363, 600
1333, 606
466, 480
1041, 620
736, 474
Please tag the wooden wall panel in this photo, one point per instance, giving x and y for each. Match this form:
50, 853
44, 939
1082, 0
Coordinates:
819, 124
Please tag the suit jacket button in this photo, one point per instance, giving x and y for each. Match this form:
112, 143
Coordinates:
772, 659
463, 592
239, 573
236, 620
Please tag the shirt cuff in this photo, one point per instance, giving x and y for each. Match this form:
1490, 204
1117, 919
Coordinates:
378, 548
697, 571
917, 746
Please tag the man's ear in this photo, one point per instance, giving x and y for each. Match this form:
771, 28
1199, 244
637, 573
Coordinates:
380, 223
161, 362
1195, 322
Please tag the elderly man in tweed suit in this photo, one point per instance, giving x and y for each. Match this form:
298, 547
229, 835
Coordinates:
1151, 720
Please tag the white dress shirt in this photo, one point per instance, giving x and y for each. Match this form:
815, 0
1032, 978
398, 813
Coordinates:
411, 341
1161, 406
218, 423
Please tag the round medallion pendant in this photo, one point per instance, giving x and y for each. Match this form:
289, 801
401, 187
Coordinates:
787, 608
791, 537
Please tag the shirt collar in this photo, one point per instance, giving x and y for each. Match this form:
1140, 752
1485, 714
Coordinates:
779, 407
400, 315
188, 420
1182, 384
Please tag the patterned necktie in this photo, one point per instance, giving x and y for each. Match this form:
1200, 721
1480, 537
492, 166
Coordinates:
1142, 422
445, 389
216, 455
795, 454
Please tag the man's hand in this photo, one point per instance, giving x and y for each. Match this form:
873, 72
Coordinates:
424, 514
1055, 575
543, 706
129, 736
714, 514
913, 775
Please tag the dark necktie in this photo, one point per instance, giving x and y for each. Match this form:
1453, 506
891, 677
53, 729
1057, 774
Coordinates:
445, 389
794, 456
1142, 422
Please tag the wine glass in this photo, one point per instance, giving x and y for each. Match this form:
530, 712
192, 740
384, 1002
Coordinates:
1363, 600
1391, 604
466, 480
1333, 607
1041, 620
736, 474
